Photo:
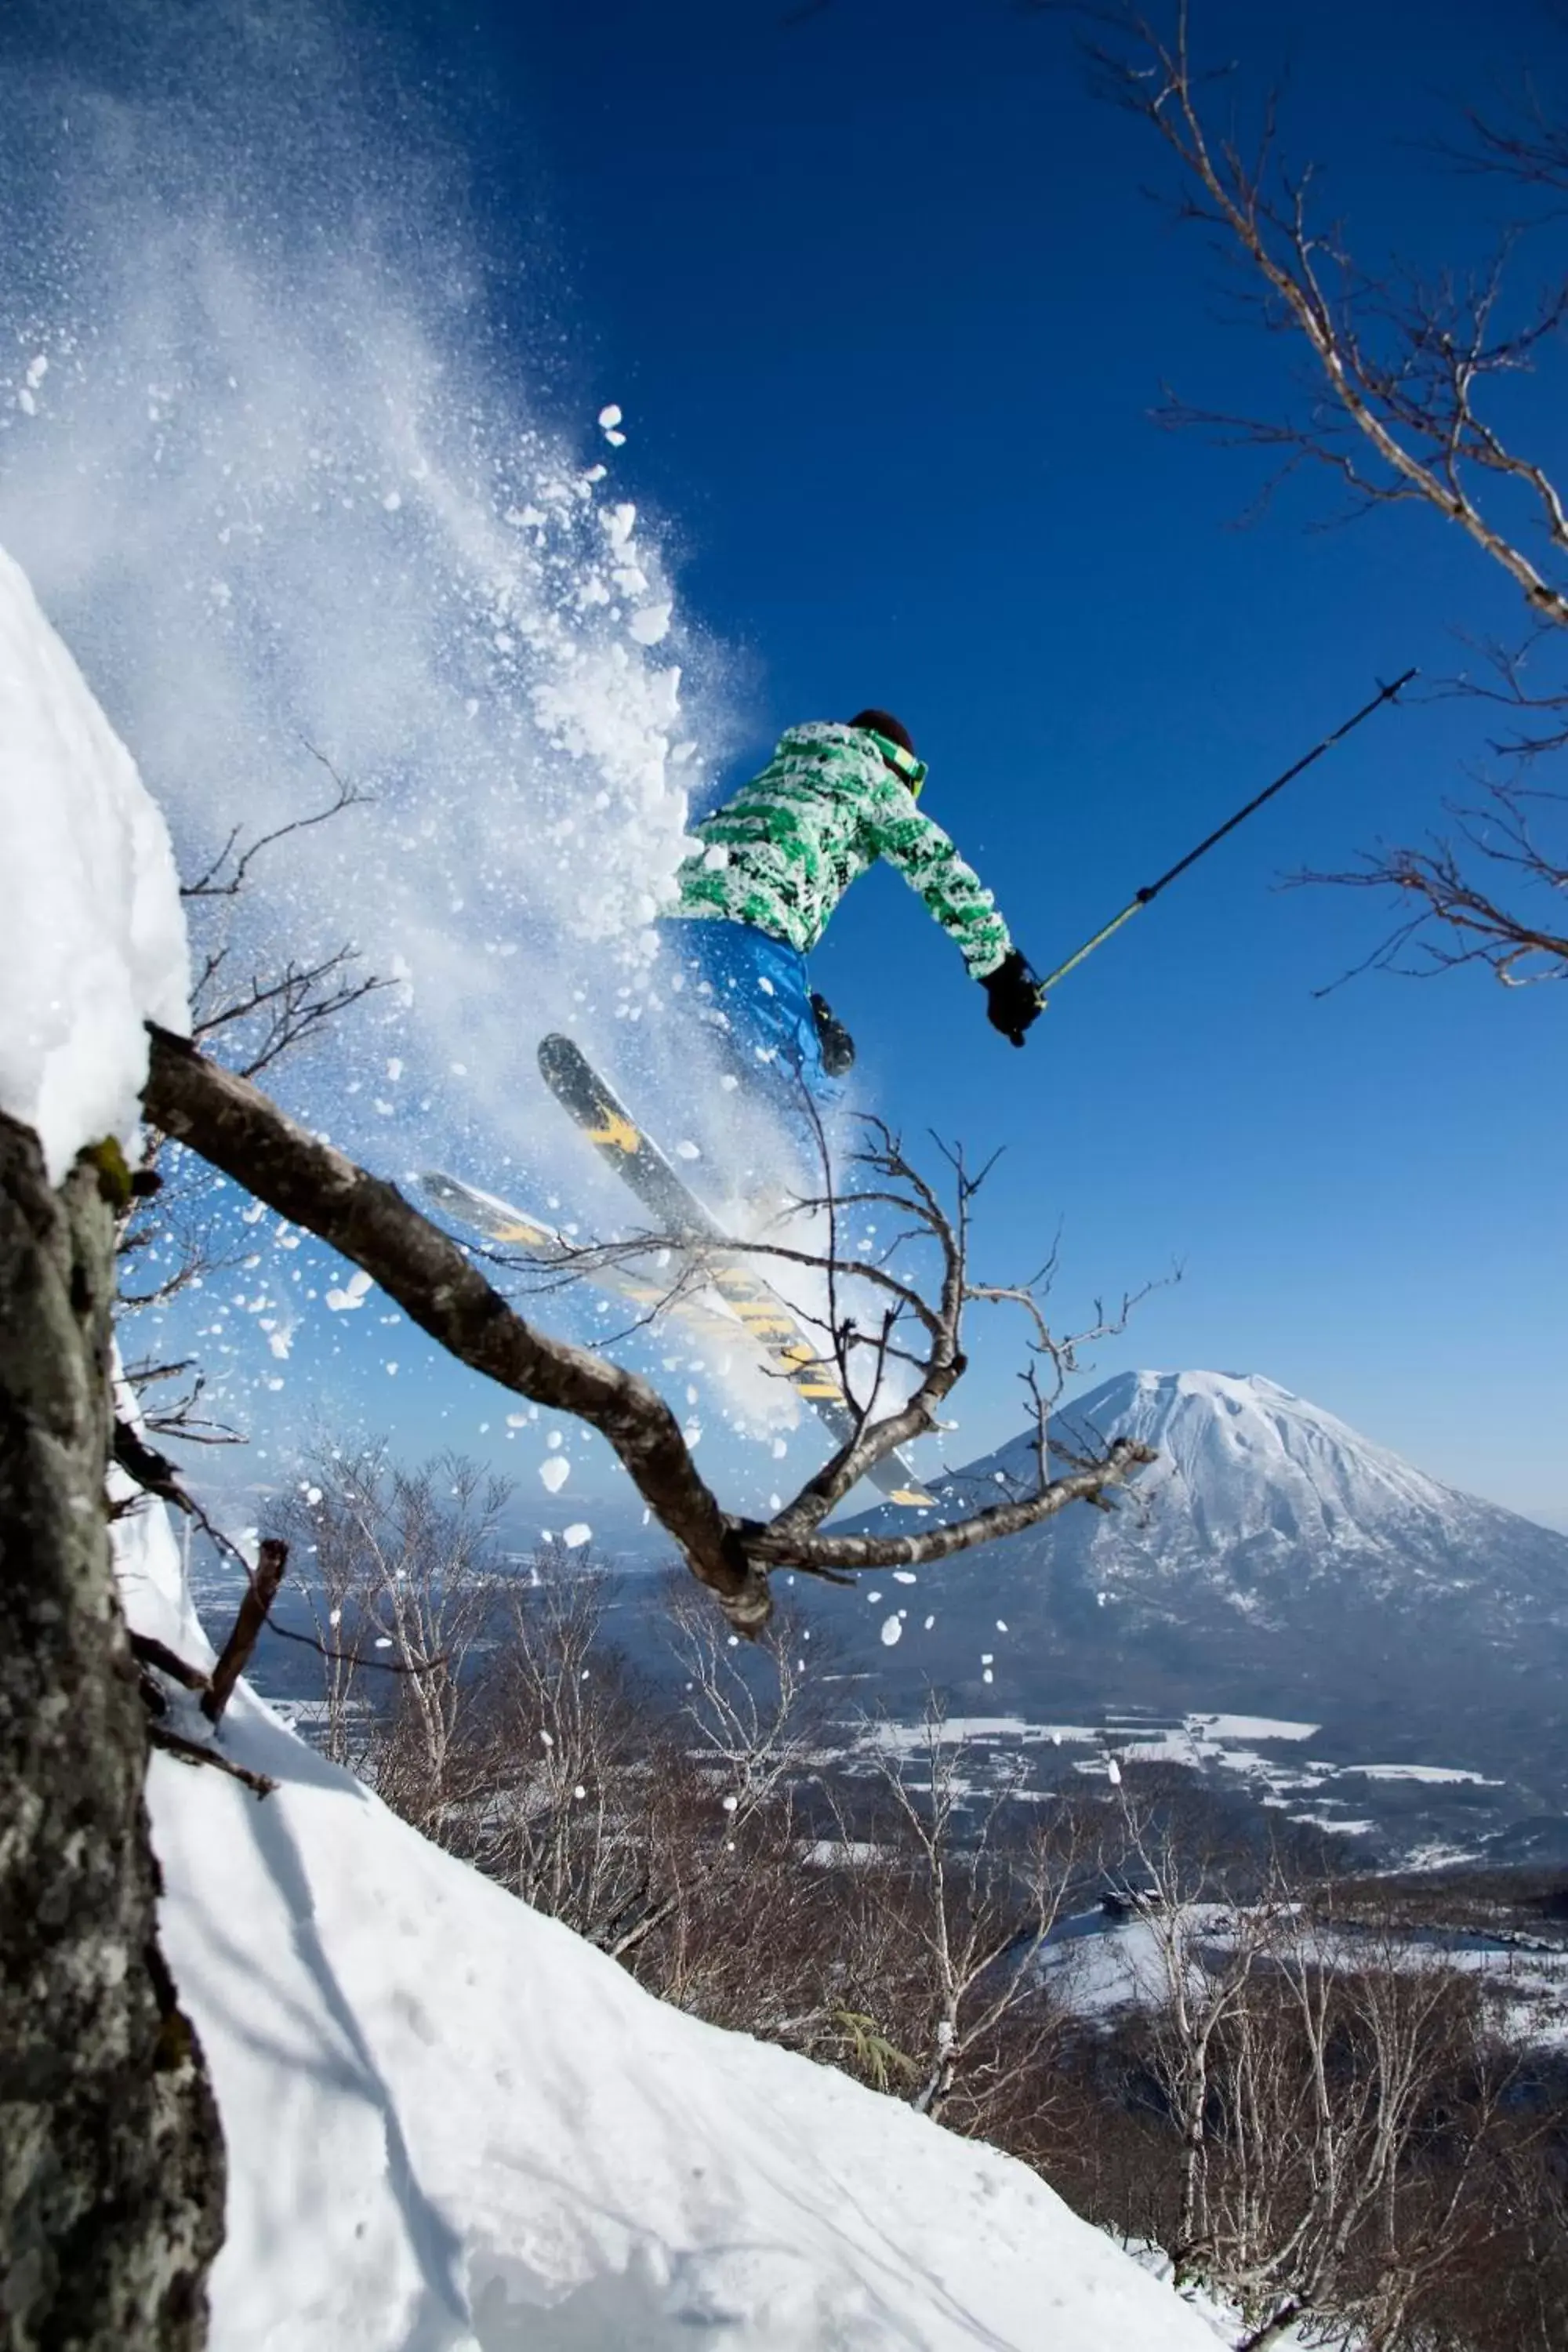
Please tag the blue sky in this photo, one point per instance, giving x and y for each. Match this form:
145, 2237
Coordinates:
887, 308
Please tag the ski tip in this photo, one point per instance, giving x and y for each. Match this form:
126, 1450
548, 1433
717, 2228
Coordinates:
911, 1498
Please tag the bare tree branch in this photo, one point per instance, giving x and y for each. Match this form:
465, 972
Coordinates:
259, 1019
1121, 1461
1525, 144
1454, 921
1399, 364
226, 875
236, 1127
1408, 383
148, 1651
271, 1560
195, 1751
181, 1418
286, 1008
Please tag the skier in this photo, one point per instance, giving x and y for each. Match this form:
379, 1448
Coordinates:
771, 866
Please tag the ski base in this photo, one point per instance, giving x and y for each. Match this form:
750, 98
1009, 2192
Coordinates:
664, 1192
513, 1228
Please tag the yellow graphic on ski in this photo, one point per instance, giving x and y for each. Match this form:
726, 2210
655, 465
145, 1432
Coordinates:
653, 1293
676, 1211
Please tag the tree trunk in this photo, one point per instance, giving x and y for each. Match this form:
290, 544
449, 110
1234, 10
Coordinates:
111, 2169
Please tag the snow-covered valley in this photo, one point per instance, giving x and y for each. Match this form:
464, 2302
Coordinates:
1286, 1610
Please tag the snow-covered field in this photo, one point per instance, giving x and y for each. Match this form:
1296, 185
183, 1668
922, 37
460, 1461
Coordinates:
1314, 1792
1097, 1967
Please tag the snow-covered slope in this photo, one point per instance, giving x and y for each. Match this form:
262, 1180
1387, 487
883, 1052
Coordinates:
450, 2124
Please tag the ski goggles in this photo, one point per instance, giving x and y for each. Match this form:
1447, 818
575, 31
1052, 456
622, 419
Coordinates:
911, 770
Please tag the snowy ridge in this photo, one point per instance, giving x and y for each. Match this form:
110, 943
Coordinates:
1249, 1472
453, 2127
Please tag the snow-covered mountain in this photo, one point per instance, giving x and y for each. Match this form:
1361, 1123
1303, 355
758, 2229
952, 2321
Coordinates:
1272, 1559
1259, 1494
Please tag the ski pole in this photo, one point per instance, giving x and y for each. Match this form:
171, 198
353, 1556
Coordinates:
1151, 891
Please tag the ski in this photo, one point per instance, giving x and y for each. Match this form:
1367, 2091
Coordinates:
513, 1228
664, 1192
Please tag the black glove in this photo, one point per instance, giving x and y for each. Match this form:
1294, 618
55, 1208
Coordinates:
837, 1046
1013, 997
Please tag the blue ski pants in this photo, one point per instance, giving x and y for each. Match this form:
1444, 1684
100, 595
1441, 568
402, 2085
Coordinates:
752, 995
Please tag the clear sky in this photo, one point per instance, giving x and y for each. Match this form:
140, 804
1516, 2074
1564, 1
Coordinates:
887, 307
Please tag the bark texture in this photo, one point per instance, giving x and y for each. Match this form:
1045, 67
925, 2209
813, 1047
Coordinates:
111, 2171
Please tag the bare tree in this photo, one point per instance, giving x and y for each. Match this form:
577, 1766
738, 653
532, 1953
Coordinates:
252, 1010
345, 1729
1404, 401
572, 1806
725, 1925
1506, 2283
406, 1564
754, 1728
975, 1898
1202, 1949
234, 1126
1330, 2070
1332, 2086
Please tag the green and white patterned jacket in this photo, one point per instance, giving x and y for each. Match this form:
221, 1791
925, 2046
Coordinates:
781, 855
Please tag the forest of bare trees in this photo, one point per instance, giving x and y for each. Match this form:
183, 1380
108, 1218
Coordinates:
1300, 2097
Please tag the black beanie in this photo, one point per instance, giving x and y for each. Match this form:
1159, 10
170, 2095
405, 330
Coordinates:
886, 724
